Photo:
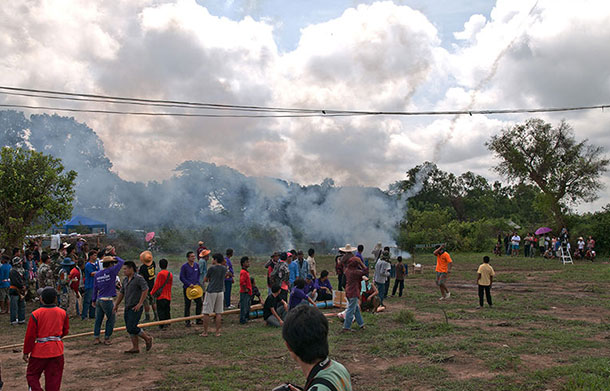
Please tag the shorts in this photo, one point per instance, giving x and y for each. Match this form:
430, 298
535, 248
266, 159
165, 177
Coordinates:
3, 294
213, 303
441, 278
150, 299
515, 247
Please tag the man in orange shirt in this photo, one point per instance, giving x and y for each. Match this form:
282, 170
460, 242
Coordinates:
43, 348
443, 268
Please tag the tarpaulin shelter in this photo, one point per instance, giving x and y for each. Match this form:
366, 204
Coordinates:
81, 221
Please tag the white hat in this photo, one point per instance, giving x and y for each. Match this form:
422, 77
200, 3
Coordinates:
348, 248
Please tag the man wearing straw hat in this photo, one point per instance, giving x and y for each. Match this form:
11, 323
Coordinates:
148, 271
104, 291
43, 348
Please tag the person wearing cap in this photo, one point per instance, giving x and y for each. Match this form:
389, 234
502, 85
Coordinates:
16, 292
148, 272
63, 282
189, 275
200, 248
104, 291
353, 276
382, 272
270, 265
43, 348
162, 290
443, 268
281, 275
204, 257
134, 289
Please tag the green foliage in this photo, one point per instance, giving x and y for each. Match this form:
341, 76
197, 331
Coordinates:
35, 193
404, 317
565, 170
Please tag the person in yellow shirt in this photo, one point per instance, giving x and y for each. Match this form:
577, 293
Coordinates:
485, 277
443, 268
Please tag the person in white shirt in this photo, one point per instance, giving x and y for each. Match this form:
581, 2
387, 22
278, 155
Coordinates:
515, 240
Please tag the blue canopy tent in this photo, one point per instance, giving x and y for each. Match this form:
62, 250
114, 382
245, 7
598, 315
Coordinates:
82, 221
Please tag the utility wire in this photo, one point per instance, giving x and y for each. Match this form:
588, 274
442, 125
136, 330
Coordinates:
275, 112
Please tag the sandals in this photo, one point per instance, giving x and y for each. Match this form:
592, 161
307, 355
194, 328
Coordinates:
149, 344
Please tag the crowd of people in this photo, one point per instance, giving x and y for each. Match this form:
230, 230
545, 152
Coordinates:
544, 245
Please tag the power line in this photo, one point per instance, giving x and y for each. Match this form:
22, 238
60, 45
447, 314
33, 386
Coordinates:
276, 112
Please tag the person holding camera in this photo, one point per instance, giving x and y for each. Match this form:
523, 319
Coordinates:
305, 332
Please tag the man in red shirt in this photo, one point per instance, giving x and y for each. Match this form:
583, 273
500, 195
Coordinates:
162, 292
245, 290
443, 268
43, 348
353, 276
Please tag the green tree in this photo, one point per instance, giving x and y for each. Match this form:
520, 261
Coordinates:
35, 193
566, 171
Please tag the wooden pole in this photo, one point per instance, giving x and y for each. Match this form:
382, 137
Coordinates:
142, 325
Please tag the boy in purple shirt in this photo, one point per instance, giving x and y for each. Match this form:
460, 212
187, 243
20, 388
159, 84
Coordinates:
104, 290
189, 275
298, 295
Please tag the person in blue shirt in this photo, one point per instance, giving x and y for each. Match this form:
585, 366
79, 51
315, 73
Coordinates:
5, 283
90, 269
304, 270
293, 268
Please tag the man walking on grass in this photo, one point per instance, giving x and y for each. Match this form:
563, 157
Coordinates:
134, 290
213, 303
443, 268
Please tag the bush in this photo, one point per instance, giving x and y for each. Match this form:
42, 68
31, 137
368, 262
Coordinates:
404, 317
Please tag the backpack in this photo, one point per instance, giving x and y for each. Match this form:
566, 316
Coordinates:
277, 274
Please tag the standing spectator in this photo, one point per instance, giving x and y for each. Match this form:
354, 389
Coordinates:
162, 292
526, 245
580, 248
5, 283
339, 271
303, 265
377, 252
293, 269
204, 257
104, 291
392, 275
485, 278
306, 336
200, 248
507, 245
148, 272
89, 277
214, 296
399, 282
229, 279
189, 275
359, 255
443, 268
353, 275
281, 275
275, 308
16, 292
515, 240
323, 287
63, 282
311, 261
382, 272
43, 348
75, 277
270, 266
245, 291
134, 289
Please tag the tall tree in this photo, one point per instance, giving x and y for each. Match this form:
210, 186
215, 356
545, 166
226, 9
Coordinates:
565, 170
35, 193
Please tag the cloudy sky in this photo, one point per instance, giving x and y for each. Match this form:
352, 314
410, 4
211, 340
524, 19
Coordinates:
391, 55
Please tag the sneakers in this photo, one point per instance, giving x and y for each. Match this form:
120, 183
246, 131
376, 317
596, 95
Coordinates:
448, 295
441, 298
231, 307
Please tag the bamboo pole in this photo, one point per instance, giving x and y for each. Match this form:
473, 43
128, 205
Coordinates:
143, 325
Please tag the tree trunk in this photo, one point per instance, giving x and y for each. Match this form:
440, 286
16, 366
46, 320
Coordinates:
557, 214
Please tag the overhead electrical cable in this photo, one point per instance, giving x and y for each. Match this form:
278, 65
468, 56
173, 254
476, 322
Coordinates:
262, 111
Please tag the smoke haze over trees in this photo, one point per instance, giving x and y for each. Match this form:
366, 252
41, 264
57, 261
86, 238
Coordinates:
216, 202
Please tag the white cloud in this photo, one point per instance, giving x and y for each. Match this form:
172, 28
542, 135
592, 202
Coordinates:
380, 56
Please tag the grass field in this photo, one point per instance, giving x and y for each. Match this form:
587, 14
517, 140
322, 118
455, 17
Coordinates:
549, 330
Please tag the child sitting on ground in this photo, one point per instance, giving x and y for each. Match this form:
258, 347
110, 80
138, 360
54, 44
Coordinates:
485, 277
256, 294
297, 295
369, 296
